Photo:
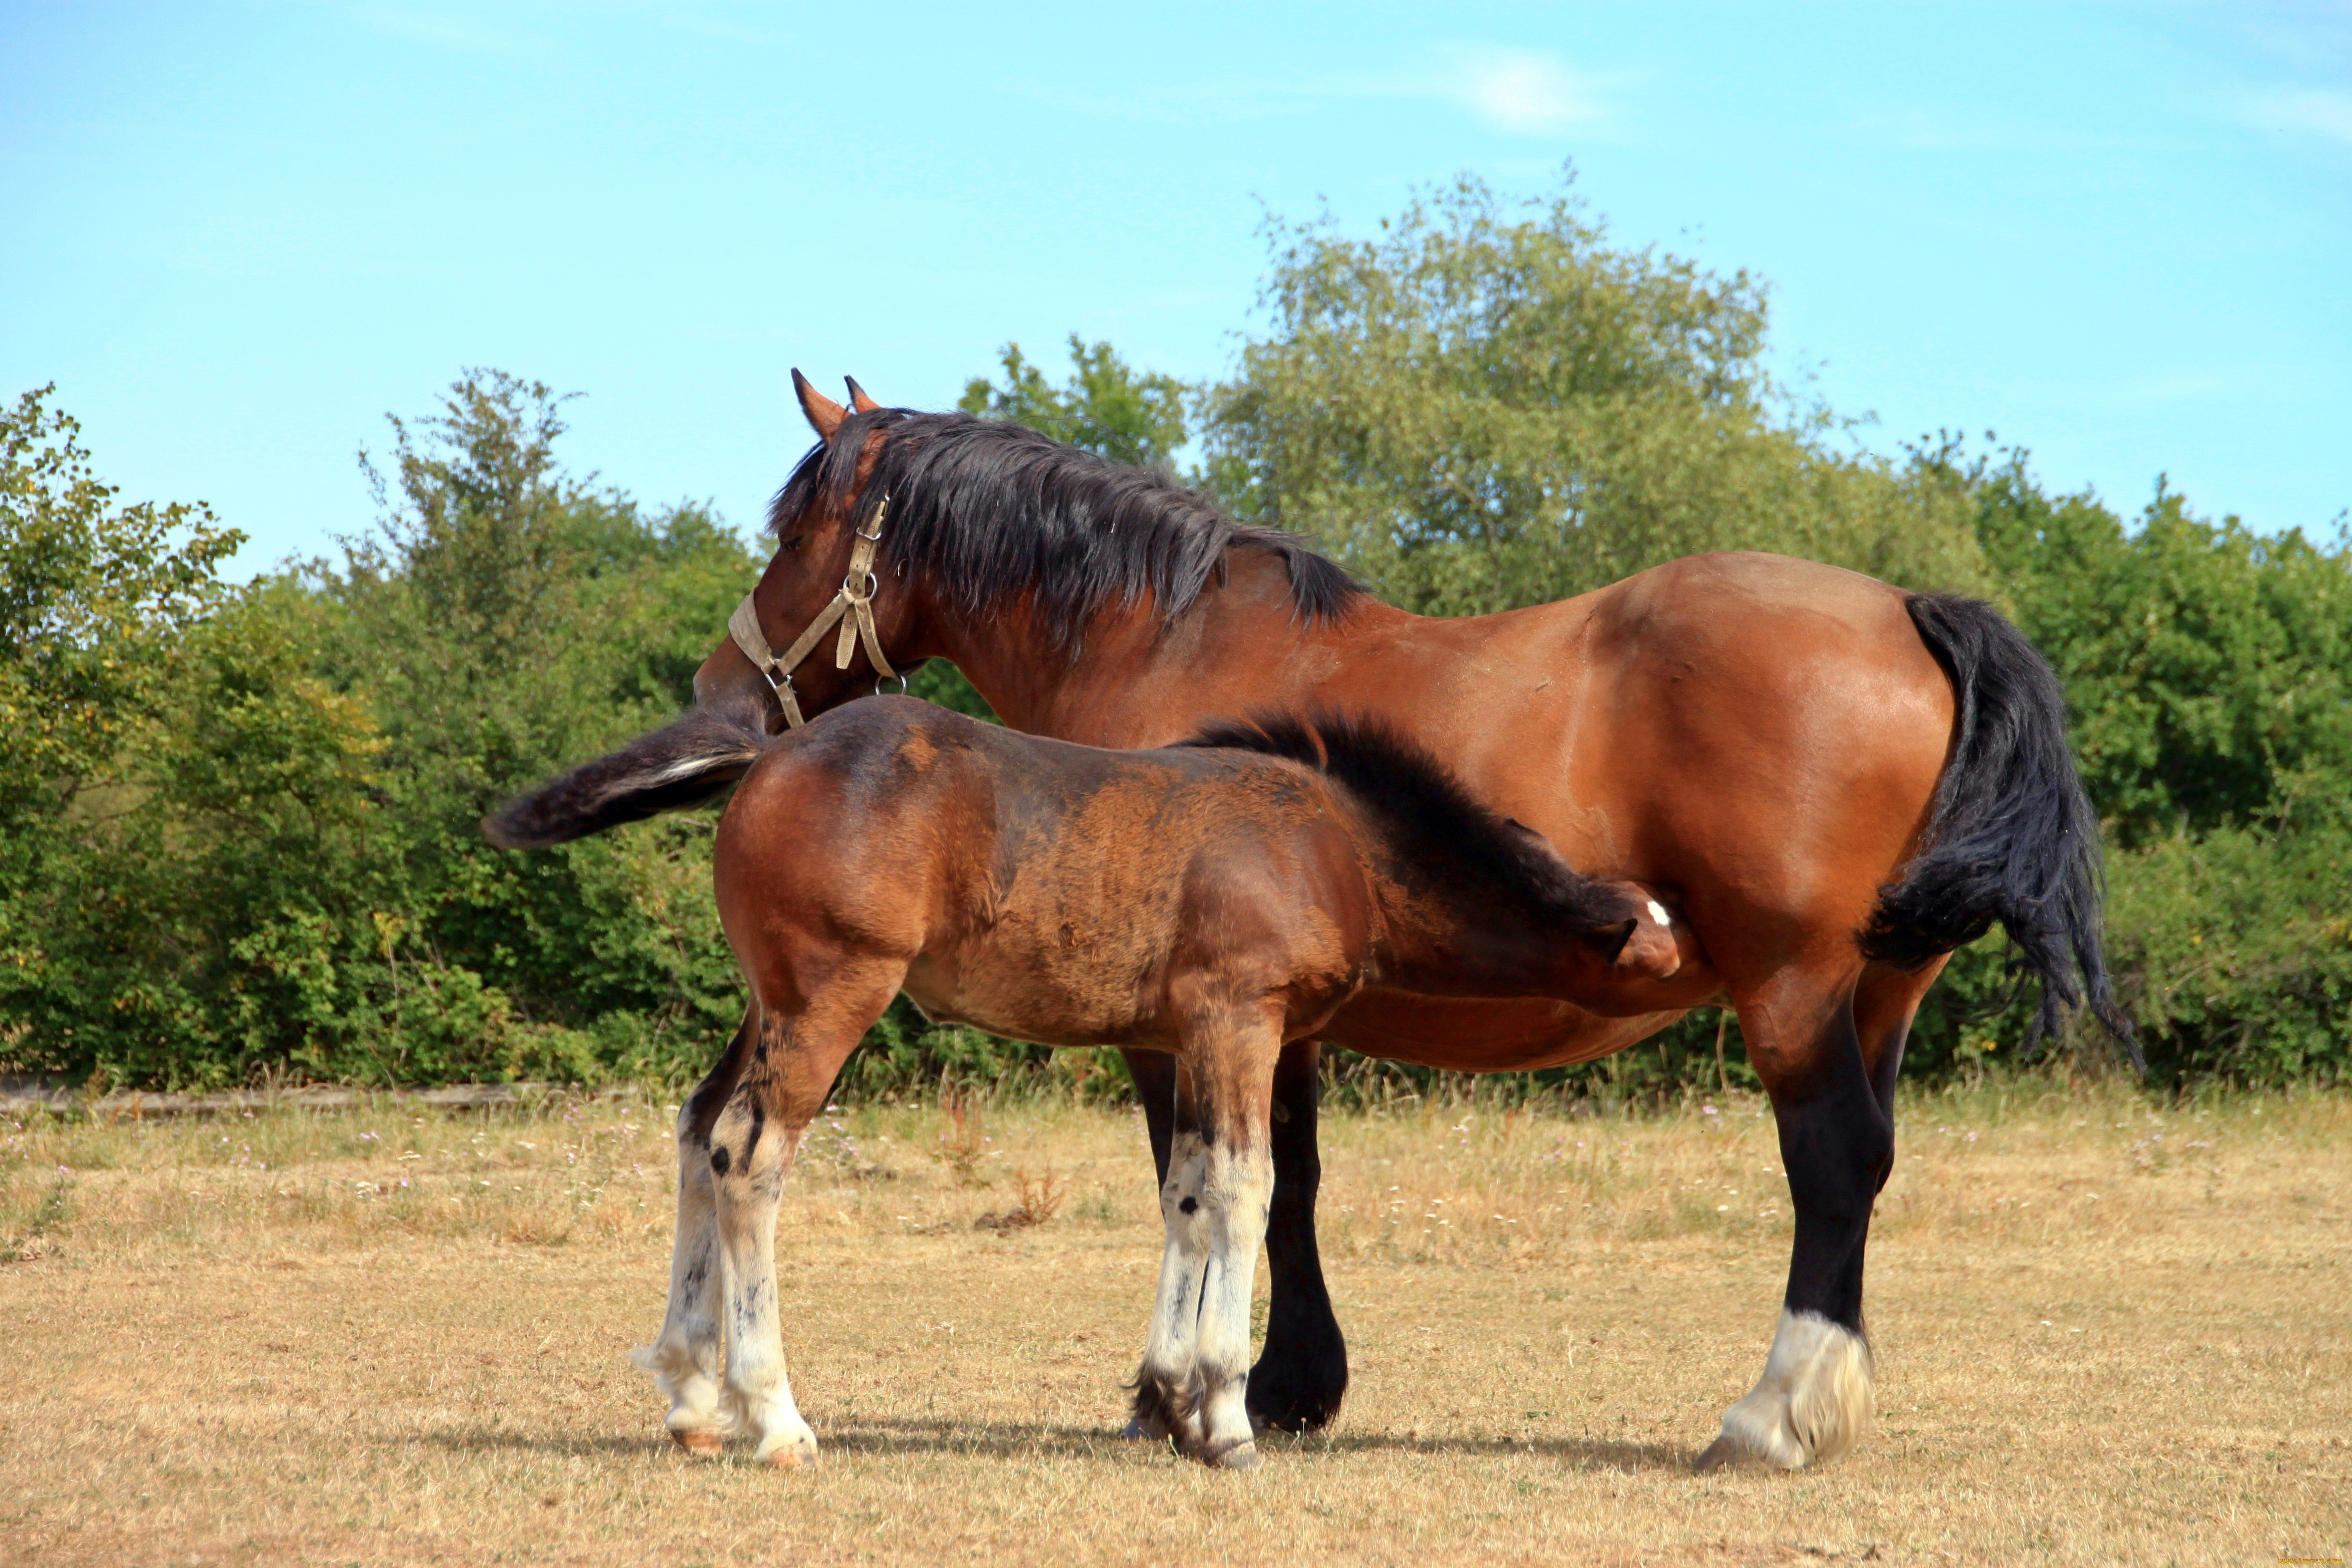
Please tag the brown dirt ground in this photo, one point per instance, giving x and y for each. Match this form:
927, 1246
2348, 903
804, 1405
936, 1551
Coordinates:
2107, 1332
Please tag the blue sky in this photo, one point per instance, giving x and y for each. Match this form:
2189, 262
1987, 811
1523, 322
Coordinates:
235, 236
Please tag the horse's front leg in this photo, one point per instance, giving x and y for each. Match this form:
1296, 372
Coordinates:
1302, 1370
1194, 1382
687, 1357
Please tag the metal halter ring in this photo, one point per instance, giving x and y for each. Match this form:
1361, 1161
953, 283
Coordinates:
872, 583
880, 680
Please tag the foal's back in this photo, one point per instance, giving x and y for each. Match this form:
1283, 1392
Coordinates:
1049, 891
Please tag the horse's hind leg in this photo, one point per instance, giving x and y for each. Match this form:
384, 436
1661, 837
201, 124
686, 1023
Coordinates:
687, 1357
1831, 1072
794, 1059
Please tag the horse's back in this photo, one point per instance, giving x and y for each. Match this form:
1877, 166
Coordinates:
1037, 888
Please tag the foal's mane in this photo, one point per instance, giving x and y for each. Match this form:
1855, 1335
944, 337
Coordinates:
988, 509
1440, 826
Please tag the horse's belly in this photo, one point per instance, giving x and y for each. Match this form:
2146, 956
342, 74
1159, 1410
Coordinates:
1461, 1034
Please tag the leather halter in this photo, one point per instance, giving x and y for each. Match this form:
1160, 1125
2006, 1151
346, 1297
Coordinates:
853, 606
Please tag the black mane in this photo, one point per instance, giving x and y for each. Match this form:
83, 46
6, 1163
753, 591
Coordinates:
987, 510
1440, 827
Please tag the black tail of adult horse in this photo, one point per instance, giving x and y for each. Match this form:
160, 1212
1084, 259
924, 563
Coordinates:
682, 764
2011, 837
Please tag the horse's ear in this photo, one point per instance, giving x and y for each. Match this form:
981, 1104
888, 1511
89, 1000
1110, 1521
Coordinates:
859, 399
825, 415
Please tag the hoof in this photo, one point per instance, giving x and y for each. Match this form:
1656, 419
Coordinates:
1296, 1412
1296, 1392
1239, 1456
699, 1439
1811, 1405
1723, 1454
787, 1446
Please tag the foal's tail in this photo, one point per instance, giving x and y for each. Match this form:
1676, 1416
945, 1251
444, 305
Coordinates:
2012, 837
684, 763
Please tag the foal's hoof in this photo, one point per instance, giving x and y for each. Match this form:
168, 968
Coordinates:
1727, 1454
787, 1446
1238, 1456
699, 1439
1147, 1425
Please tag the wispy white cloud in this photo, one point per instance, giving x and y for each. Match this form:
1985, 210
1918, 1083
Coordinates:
2313, 110
1527, 92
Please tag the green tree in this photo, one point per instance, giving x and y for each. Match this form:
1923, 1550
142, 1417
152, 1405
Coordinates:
2209, 667
1130, 416
1108, 406
1479, 410
287, 874
97, 603
2206, 669
93, 599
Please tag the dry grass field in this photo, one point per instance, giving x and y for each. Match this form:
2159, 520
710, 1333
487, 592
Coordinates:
2105, 1332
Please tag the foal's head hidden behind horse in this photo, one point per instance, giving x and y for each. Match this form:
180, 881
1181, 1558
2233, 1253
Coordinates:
1212, 900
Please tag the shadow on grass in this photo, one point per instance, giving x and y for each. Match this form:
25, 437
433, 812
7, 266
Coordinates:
1014, 1440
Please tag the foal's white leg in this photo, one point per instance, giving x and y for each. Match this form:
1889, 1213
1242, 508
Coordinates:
1811, 1405
1195, 1377
1236, 1192
686, 1358
748, 1159
1166, 1390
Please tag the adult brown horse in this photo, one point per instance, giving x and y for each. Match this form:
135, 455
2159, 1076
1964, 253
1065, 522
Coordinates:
1833, 783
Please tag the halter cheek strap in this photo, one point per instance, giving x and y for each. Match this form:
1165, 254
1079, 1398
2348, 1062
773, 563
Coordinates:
853, 606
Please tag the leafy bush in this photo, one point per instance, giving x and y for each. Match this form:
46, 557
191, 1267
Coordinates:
1479, 410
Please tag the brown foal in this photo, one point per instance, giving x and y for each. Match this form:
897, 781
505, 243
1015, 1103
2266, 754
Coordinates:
1210, 902
1831, 782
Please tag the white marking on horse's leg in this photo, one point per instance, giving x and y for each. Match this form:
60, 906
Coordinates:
1813, 1402
1658, 912
1167, 1392
1238, 1189
686, 1358
750, 1163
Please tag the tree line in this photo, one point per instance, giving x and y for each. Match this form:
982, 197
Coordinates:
238, 830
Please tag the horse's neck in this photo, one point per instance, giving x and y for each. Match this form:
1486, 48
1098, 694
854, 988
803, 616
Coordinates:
1140, 681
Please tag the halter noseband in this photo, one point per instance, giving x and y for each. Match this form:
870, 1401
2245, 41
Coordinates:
854, 602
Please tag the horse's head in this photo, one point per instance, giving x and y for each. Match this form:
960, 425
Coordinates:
818, 519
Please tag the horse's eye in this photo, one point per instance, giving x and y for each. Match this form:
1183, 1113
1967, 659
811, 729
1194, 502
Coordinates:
793, 542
